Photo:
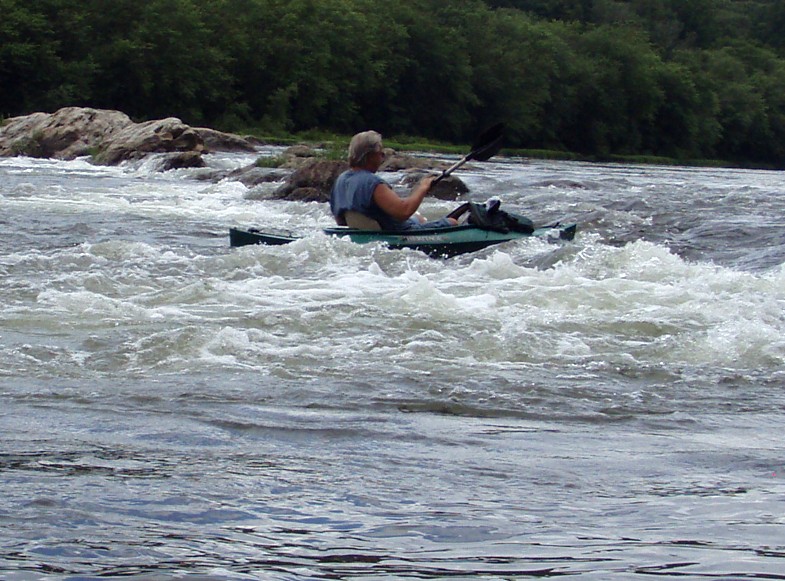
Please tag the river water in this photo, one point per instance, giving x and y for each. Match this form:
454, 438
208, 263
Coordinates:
607, 408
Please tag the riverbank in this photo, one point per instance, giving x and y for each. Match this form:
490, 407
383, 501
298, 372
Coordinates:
334, 147
110, 137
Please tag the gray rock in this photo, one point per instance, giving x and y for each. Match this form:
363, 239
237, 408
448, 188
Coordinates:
219, 141
111, 137
140, 139
399, 162
66, 134
449, 188
186, 159
253, 175
315, 178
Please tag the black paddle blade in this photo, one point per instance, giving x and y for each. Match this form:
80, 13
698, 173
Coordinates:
488, 143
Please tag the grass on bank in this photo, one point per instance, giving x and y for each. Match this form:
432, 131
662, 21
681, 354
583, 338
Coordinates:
334, 146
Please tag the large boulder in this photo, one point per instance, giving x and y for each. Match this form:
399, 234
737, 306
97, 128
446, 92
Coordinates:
182, 160
448, 188
252, 175
219, 141
66, 134
312, 181
137, 140
394, 161
111, 137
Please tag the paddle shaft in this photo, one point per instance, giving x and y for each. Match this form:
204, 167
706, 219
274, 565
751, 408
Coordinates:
451, 169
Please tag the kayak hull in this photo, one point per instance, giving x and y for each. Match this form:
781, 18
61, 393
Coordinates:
436, 242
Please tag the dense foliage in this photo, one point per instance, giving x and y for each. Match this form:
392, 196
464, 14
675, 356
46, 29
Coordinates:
678, 78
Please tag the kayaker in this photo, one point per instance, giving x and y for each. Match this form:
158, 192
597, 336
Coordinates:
360, 190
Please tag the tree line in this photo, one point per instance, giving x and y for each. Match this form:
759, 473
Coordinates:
687, 79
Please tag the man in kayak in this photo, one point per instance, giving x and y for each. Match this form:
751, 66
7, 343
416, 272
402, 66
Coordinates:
360, 190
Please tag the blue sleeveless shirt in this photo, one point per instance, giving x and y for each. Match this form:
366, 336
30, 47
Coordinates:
353, 190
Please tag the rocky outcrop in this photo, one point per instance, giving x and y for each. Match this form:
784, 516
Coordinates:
184, 160
69, 133
138, 140
219, 141
111, 137
251, 176
449, 188
313, 176
394, 161
312, 182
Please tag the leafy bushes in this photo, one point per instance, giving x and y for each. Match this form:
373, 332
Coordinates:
678, 78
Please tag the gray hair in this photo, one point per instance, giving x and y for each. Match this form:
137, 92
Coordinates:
361, 145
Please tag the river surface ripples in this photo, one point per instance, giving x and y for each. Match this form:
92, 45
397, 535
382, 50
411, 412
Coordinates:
607, 408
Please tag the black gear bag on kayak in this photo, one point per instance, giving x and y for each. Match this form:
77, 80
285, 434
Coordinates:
489, 217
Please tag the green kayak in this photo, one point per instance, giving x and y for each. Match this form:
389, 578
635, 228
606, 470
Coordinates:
436, 242
484, 225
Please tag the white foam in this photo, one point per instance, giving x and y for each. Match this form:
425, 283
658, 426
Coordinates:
320, 300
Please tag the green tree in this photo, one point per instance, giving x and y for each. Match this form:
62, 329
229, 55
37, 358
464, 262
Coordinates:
155, 59
301, 64
686, 123
565, 10
618, 91
434, 93
43, 63
772, 24
520, 72
750, 90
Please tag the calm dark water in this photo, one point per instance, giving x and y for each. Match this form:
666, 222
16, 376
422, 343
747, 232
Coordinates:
610, 408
